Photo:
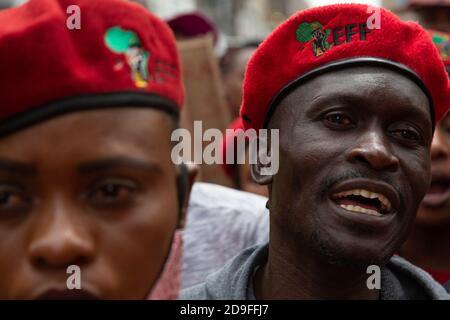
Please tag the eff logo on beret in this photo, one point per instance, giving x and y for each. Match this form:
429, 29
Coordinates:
127, 42
314, 32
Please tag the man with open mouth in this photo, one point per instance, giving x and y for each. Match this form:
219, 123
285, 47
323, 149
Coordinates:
90, 200
356, 114
429, 241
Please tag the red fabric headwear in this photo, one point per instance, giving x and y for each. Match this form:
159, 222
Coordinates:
122, 55
325, 38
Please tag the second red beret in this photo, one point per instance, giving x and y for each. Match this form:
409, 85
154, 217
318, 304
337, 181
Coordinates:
322, 38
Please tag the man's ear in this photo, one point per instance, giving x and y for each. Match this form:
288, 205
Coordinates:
256, 172
267, 159
188, 173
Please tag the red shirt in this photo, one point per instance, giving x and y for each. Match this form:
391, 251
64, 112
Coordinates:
441, 276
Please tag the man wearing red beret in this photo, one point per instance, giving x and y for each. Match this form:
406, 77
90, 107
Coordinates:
355, 105
90, 200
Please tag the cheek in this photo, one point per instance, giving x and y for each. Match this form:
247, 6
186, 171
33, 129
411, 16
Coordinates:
417, 174
308, 156
138, 246
14, 268
305, 161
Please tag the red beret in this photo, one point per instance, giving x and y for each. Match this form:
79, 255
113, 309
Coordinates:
325, 38
442, 42
193, 24
122, 55
229, 138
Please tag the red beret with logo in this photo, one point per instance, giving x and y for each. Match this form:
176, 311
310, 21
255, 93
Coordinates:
58, 56
332, 37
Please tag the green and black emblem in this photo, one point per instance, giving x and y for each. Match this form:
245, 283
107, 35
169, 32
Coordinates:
313, 31
127, 42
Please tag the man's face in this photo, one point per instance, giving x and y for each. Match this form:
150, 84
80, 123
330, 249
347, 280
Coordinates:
95, 189
435, 207
354, 164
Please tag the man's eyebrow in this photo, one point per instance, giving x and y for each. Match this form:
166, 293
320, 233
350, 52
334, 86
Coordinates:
117, 163
17, 167
337, 97
322, 100
360, 99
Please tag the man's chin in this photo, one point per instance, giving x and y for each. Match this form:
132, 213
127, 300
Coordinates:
342, 256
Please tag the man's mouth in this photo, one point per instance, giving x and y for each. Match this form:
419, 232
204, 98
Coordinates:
439, 191
363, 201
75, 294
366, 197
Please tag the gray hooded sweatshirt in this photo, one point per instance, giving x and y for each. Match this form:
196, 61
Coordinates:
400, 280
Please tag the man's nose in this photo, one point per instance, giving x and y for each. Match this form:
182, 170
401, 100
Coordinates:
59, 238
373, 150
439, 147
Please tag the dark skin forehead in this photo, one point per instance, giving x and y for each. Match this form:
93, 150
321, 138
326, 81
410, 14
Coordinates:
95, 134
376, 89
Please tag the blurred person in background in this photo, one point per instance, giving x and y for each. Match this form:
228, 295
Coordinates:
4, 4
428, 244
233, 66
199, 44
434, 14
221, 222
193, 24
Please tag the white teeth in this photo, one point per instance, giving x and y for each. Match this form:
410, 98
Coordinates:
359, 209
366, 194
